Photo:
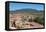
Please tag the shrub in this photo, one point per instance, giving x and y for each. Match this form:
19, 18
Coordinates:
40, 20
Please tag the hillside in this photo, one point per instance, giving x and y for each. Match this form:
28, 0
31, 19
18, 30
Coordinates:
28, 12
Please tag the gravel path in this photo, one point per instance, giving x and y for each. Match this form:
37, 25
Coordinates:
36, 25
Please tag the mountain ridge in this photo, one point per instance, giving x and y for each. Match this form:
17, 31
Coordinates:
26, 11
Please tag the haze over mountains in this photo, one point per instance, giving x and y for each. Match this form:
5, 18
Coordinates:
27, 11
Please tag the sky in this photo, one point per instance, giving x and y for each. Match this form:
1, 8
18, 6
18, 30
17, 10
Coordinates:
17, 6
